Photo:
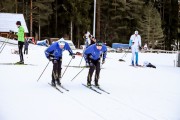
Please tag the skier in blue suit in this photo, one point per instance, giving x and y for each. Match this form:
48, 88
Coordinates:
92, 56
54, 54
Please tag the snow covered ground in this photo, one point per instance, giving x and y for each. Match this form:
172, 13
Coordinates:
135, 93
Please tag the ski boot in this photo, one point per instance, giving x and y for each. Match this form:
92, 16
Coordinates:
20, 62
132, 63
88, 83
96, 84
58, 82
53, 83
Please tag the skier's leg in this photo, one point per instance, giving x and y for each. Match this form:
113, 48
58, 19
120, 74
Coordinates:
59, 71
24, 51
20, 46
132, 58
90, 73
54, 71
98, 69
136, 53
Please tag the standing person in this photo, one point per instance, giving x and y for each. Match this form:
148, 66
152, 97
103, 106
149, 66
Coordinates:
145, 46
93, 40
92, 56
136, 45
21, 39
26, 44
87, 39
54, 54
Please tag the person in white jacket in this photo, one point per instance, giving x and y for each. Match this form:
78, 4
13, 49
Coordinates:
135, 44
87, 36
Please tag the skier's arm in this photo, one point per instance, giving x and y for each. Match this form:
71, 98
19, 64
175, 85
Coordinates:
49, 51
87, 54
67, 47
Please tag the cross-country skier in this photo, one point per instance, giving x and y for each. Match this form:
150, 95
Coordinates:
136, 39
92, 56
54, 54
21, 39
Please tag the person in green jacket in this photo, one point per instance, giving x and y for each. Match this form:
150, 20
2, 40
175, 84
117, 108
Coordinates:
21, 39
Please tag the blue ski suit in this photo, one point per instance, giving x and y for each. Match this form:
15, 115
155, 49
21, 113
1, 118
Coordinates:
92, 56
54, 54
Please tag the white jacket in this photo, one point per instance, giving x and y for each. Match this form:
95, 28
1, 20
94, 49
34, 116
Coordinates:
137, 41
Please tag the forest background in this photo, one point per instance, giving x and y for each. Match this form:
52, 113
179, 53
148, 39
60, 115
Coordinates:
158, 21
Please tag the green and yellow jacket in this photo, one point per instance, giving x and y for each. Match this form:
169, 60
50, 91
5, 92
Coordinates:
20, 34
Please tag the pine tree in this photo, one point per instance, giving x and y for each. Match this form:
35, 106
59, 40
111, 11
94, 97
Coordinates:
150, 27
7, 6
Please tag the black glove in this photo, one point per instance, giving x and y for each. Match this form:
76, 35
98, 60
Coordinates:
103, 61
50, 57
73, 56
129, 47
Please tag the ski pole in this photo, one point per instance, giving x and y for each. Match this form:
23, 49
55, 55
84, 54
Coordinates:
66, 68
82, 57
121, 59
80, 61
4, 43
43, 71
77, 74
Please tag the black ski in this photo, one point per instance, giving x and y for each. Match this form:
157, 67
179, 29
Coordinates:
55, 88
136, 66
63, 87
99, 88
77, 66
91, 88
15, 64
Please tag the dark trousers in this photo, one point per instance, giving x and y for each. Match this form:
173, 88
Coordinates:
56, 72
20, 47
95, 64
25, 51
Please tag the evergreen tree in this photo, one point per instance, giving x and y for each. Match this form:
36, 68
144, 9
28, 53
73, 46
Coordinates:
150, 26
8, 6
77, 12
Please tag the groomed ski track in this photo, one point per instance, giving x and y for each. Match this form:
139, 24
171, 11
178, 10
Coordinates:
135, 94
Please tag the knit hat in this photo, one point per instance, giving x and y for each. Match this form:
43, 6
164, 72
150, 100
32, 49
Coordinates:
99, 43
18, 23
61, 41
136, 32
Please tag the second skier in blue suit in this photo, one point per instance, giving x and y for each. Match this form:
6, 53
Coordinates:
92, 56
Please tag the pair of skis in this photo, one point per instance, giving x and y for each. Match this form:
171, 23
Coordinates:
96, 89
59, 88
136, 66
93, 88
